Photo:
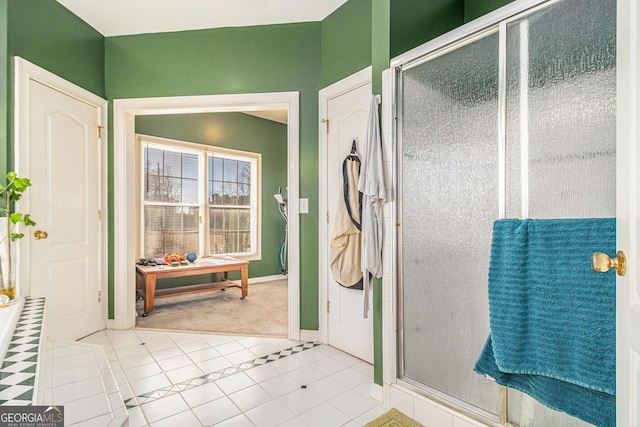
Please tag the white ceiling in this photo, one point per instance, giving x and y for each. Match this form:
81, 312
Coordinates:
124, 17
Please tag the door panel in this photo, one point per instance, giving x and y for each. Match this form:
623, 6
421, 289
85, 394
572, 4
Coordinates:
348, 330
64, 168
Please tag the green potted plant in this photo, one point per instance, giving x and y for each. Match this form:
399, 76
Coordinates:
13, 190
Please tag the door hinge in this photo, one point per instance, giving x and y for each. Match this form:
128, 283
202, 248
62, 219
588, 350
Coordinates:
327, 217
99, 132
326, 121
99, 214
328, 305
99, 296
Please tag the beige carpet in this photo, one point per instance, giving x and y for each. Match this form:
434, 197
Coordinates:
393, 418
263, 312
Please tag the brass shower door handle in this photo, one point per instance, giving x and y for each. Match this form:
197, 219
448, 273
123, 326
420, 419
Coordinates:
40, 235
602, 263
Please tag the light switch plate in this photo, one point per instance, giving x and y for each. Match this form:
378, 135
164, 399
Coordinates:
304, 205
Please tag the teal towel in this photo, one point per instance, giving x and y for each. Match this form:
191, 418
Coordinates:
552, 317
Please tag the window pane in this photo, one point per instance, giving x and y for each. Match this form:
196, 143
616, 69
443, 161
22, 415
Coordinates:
244, 172
171, 190
190, 166
189, 191
244, 218
172, 163
230, 170
244, 194
215, 193
169, 229
215, 168
244, 241
230, 196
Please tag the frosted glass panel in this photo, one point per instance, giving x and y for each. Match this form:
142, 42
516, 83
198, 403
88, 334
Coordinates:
561, 128
449, 185
561, 118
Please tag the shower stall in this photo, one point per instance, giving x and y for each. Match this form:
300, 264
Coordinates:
516, 119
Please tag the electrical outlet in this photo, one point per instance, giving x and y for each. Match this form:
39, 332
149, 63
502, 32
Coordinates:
304, 205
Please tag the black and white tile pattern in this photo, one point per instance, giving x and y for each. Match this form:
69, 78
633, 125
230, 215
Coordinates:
214, 376
18, 371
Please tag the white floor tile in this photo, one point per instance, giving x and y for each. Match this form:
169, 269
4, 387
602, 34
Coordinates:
213, 365
324, 415
237, 421
202, 394
164, 408
203, 354
228, 347
183, 374
301, 400
250, 397
336, 393
327, 388
138, 372
280, 385
263, 373
216, 411
234, 383
175, 362
353, 404
185, 419
270, 414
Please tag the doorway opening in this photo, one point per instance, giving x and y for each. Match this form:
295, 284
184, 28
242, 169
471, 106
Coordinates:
125, 190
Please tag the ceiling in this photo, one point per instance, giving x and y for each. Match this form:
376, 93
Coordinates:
125, 17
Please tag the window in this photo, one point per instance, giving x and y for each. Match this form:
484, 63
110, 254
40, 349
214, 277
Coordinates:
182, 211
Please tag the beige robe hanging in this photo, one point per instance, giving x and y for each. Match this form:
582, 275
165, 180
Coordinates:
344, 249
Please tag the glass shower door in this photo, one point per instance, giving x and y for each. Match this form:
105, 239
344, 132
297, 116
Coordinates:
469, 154
449, 192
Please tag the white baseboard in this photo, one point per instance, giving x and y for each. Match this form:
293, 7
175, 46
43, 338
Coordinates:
266, 278
308, 335
376, 392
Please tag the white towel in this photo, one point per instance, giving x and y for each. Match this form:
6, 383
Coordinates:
374, 196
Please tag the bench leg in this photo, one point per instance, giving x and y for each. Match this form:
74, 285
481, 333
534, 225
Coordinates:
149, 293
244, 275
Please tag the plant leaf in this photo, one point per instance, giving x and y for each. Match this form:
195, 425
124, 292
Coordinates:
15, 236
27, 220
15, 217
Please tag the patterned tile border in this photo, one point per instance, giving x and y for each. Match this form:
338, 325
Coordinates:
204, 379
18, 371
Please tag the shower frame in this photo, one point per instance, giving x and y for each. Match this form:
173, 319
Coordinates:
496, 21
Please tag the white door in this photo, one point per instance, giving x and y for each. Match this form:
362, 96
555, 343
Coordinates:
64, 165
628, 215
348, 330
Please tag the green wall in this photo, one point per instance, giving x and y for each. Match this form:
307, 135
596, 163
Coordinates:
240, 132
476, 8
346, 41
4, 92
47, 34
270, 58
414, 22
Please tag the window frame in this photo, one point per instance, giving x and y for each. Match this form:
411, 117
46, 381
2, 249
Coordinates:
204, 152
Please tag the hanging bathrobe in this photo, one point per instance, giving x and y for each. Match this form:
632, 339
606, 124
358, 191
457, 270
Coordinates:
374, 195
344, 249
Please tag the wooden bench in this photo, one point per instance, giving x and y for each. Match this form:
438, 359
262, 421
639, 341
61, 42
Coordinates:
146, 278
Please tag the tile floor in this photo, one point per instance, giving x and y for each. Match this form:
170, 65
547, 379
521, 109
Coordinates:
189, 379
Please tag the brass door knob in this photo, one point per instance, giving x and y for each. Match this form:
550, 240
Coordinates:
602, 263
40, 235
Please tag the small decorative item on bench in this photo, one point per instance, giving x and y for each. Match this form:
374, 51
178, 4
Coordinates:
191, 256
177, 259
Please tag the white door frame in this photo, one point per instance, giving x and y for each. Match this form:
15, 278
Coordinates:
25, 71
347, 84
628, 219
124, 191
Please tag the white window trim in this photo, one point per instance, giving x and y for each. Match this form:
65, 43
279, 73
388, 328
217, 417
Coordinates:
204, 151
